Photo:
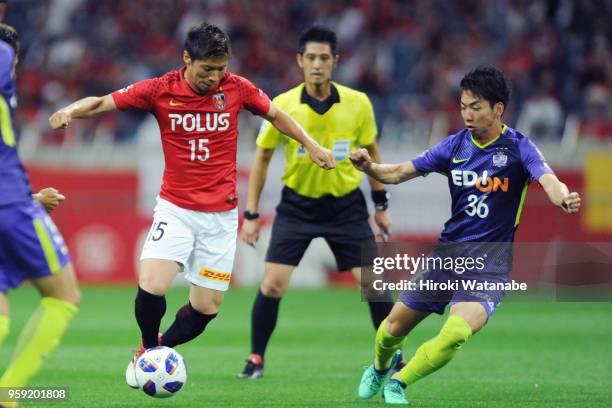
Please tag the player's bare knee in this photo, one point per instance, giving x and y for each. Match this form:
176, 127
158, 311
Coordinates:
156, 275
153, 288
152, 285
273, 287
477, 325
207, 307
70, 295
4, 304
73, 296
395, 326
207, 303
62, 286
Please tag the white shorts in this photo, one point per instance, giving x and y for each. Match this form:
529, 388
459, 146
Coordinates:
203, 242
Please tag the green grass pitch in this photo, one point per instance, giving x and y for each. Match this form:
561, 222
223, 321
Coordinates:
529, 355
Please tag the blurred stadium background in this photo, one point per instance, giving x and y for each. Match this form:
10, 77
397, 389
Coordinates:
407, 55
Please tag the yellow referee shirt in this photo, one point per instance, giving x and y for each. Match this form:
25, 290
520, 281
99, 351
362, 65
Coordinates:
343, 122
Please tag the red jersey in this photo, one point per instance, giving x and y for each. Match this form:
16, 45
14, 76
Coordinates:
199, 135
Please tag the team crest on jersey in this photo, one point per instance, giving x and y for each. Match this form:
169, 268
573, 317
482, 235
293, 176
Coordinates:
500, 159
219, 101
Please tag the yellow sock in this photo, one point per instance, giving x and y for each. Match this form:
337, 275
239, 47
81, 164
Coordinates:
12, 404
7, 404
27, 330
4, 328
38, 340
385, 346
436, 352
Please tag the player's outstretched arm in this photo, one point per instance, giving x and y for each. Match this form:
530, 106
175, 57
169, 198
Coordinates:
83, 108
385, 173
559, 194
257, 179
49, 197
287, 125
374, 153
381, 217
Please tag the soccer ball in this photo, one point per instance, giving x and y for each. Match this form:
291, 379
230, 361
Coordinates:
161, 372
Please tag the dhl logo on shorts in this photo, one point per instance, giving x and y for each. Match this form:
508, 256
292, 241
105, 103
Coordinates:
483, 183
215, 275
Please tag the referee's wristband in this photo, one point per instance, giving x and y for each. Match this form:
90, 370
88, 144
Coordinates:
381, 199
250, 215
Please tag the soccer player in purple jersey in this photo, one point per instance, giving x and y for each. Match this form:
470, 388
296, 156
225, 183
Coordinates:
31, 247
488, 166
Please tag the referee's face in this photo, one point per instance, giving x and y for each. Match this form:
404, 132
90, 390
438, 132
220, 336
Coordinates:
317, 62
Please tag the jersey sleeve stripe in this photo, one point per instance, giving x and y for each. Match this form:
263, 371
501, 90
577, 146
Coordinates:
6, 126
521, 204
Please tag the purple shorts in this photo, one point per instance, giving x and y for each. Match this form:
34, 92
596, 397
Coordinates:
30, 244
434, 290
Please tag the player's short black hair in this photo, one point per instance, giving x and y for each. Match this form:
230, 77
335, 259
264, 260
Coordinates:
206, 41
9, 35
317, 33
489, 83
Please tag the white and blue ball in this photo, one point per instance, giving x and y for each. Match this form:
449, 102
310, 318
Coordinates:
161, 372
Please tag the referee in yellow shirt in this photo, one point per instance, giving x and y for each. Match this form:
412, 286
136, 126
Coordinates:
314, 203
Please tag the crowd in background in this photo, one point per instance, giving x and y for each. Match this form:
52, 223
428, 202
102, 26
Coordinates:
408, 56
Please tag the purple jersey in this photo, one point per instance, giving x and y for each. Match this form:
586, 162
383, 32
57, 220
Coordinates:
488, 183
14, 182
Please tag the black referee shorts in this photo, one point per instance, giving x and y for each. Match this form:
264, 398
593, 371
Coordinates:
342, 221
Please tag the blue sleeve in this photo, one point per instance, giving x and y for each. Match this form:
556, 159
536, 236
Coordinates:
6, 69
435, 159
533, 160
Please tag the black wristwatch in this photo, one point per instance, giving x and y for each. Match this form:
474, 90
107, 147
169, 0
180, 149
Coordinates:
250, 215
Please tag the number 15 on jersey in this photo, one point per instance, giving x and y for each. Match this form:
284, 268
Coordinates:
199, 150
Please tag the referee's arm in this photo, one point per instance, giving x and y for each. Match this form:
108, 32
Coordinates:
257, 177
257, 180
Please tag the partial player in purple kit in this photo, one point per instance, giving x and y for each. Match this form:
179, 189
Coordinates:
489, 166
31, 247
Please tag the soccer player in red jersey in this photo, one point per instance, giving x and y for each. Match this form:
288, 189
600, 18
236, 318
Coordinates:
196, 220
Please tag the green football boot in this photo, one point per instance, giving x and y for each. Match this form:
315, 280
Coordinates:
393, 393
372, 379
